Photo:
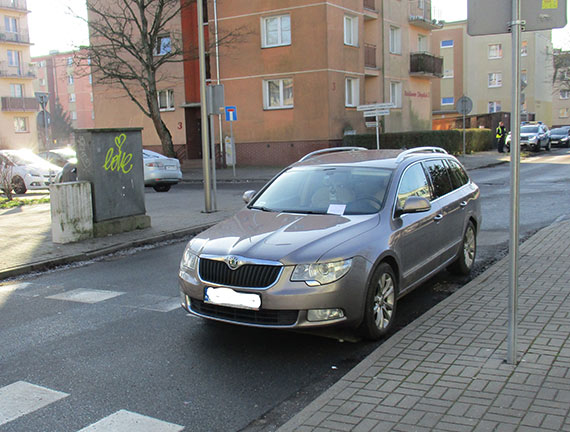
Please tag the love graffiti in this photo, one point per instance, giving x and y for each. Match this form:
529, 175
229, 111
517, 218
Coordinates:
119, 161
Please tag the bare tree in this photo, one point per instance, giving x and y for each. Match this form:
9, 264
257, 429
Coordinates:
561, 76
131, 40
6, 179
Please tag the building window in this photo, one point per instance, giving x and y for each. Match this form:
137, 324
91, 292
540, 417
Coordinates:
495, 51
524, 48
564, 94
162, 45
495, 79
42, 81
396, 94
350, 30
73, 115
278, 93
276, 31
13, 58
422, 43
90, 79
524, 76
166, 100
16, 90
92, 115
71, 97
421, 4
20, 124
70, 79
69, 61
11, 24
563, 113
395, 40
446, 43
494, 106
352, 92
448, 73
447, 101
91, 96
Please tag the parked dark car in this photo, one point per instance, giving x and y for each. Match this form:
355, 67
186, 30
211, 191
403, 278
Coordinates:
335, 240
560, 136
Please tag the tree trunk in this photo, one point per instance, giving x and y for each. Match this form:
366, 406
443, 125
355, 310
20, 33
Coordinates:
164, 135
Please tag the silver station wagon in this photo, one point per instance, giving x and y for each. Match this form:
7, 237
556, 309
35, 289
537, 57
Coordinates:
335, 240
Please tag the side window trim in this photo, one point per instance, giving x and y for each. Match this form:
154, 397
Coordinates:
427, 177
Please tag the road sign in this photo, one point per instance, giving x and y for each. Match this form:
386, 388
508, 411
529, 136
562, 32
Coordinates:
485, 17
375, 113
464, 105
376, 106
214, 98
231, 113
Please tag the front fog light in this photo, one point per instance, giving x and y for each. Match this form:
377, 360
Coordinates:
324, 314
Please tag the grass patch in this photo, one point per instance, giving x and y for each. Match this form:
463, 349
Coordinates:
16, 202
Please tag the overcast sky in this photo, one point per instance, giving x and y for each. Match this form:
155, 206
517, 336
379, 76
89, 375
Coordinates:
53, 27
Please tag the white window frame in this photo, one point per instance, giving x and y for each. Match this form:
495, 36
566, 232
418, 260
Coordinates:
496, 77
281, 82
21, 125
13, 58
71, 97
70, 79
162, 49
350, 30
396, 94
351, 92
395, 40
448, 73
11, 24
169, 99
14, 92
73, 115
494, 106
524, 48
282, 39
564, 94
423, 43
452, 102
69, 61
491, 54
563, 113
441, 46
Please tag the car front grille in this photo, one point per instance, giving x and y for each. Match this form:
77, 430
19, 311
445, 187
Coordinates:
261, 317
246, 276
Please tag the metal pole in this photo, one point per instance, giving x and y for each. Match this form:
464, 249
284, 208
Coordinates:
515, 187
233, 144
463, 132
216, 40
46, 126
213, 150
377, 135
203, 110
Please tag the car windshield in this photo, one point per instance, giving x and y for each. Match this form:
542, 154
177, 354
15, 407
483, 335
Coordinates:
529, 129
337, 190
559, 131
25, 158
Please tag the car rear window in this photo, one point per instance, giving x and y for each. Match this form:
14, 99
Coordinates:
458, 175
440, 180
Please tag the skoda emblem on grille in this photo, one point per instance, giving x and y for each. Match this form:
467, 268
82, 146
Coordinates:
232, 262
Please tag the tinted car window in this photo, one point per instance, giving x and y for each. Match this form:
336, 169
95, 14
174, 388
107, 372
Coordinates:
414, 183
458, 175
439, 177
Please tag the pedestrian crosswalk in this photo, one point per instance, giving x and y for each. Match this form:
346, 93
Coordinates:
22, 398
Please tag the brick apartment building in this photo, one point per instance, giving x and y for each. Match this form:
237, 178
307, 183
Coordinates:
18, 127
561, 92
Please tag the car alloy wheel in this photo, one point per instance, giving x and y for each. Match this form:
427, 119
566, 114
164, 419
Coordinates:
466, 258
18, 185
381, 302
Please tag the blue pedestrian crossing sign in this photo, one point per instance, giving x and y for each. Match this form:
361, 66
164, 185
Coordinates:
231, 113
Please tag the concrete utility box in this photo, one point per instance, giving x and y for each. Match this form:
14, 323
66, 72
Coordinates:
111, 160
71, 212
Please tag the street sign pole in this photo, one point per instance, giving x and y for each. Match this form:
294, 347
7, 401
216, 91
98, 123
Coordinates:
516, 25
377, 134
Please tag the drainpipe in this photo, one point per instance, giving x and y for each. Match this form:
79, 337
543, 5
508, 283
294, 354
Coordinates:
218, 72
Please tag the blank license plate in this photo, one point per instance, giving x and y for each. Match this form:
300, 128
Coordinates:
229, 297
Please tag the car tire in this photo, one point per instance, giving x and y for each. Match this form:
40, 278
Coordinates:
380, 304
548, 145
19, 185
466, 255
161, 187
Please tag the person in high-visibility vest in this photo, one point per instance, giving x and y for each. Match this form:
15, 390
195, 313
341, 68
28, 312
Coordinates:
501, 135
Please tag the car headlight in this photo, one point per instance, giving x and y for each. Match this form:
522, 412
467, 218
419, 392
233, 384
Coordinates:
321, 273
189, 260
532, 139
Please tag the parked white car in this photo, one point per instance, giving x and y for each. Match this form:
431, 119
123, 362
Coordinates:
29, 171
160, 172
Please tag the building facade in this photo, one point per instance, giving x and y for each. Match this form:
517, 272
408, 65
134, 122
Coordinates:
561, 91
480, 67
302, 69
69, 82
18, 127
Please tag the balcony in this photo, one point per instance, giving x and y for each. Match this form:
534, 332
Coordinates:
14, 5
19, 104
420, 15
423, 64
370, 56
370, 11
21, 37
7, 71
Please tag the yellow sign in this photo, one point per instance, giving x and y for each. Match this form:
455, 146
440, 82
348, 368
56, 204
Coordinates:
549, 4
119, 162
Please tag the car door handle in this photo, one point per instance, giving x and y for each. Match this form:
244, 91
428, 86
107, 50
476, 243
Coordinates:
463, 204
438, 217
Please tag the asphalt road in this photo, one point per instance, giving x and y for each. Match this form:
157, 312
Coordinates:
137, 351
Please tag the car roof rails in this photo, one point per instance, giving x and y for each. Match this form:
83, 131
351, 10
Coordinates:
411, 151
330, 150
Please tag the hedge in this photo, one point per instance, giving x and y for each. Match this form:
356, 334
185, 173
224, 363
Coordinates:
451, 140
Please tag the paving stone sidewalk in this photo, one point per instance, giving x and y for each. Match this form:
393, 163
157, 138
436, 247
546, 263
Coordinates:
446, 371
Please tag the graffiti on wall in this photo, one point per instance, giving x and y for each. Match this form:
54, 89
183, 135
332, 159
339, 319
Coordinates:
116, 159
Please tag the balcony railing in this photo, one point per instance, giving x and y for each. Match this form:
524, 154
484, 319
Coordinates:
426, 64
369, 56
370, 4
14, 4
22, 36
7, 71
19, 104
420, 14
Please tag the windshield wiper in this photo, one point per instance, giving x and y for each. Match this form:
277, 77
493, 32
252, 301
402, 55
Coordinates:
265, 209
303, 211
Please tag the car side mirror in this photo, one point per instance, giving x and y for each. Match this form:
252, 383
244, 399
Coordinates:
414, 204
248, 196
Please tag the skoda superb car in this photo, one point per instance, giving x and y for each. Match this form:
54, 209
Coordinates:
335, 239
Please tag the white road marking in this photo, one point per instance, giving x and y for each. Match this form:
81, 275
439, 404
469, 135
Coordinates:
86, 295
126, 421
21, 398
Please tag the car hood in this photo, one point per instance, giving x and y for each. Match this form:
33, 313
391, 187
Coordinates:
41, 169
285, 237
558, 136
